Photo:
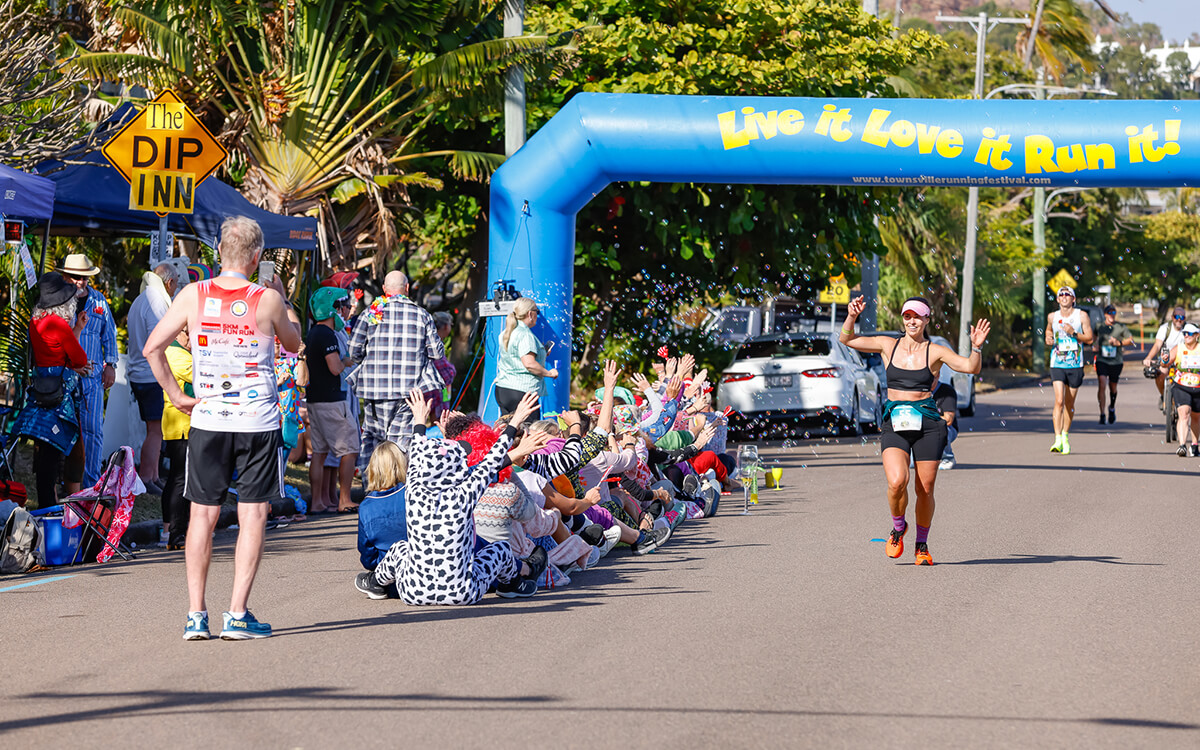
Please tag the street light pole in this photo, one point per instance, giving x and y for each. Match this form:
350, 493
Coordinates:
982, 25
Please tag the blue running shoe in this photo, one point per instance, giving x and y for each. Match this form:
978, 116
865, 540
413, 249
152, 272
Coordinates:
197, 627
243, 629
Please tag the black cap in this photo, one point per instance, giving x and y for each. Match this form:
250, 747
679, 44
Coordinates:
1110, 309
53, 290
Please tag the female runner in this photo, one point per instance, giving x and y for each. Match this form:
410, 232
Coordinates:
912, 424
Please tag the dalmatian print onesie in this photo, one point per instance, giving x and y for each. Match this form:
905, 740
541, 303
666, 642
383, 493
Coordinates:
436, 564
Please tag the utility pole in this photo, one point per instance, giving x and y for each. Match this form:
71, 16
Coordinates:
869, 320
1039, 250
514, 82
982, 25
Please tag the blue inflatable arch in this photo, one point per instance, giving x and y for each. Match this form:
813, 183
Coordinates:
597, 139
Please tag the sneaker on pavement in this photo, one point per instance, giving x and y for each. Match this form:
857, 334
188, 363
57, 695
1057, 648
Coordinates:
537, 562
691, 485
895, 542
593, 558
612, 537
1195, 450
243, 628
197, 627
711, 475
520, 587
947, 463
1182, 452
651, 540
1066, 445
713, 501
1057, 447
923, 556
1102, 419
366, 583
593, 534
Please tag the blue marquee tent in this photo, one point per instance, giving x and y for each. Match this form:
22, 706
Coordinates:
93, 200
25, 196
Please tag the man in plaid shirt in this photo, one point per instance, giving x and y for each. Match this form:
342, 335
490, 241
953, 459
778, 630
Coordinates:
395, 343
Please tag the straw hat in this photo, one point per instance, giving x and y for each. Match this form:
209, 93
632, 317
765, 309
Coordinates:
77, 264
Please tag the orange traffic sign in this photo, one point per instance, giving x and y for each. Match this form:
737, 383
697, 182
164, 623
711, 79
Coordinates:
164, 153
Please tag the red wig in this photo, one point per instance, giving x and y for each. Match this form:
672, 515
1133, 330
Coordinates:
482, 438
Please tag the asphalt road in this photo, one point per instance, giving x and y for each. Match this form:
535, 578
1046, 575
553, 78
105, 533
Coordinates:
1062, 612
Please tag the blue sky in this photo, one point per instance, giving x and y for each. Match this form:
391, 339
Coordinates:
1177, 18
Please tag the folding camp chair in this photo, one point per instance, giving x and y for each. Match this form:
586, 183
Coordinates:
90, 508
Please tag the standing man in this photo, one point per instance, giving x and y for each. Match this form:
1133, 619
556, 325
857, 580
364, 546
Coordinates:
158, 287
1067, 330
99, 341
332, 428
235, 415
396, 343
1110, 339
1169, 336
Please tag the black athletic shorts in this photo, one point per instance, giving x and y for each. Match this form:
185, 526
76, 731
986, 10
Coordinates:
259, 457
1185, 396
1112, 372
926, 445
1072, 376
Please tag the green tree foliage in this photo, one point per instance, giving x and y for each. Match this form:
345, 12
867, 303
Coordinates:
644, 250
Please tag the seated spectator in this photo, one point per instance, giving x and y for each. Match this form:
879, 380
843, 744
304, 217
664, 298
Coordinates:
436, 564
381, 514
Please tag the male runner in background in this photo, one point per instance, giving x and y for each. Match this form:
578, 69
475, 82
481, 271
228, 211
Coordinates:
1111, 337
235, 415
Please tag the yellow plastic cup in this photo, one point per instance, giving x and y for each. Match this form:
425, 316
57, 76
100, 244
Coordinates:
773, 476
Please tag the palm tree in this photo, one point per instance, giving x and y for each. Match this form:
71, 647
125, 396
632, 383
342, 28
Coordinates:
322, 103
1064, 35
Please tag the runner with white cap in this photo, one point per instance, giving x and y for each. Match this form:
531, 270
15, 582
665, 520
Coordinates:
1186, 393
1067, 330
913, 425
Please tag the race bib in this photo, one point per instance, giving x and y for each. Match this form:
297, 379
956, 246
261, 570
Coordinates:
906, 418
1108, 351
1067, 344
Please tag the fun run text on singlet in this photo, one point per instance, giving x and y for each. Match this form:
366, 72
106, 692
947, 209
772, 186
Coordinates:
234, 371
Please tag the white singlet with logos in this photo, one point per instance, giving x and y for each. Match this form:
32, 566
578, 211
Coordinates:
233, 363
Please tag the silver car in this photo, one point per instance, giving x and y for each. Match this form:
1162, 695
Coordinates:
801, 379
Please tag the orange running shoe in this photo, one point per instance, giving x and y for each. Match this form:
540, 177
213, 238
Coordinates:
923, 556
895, 542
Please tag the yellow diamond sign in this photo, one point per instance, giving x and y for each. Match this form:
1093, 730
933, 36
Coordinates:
837, 293
1061, 279
164, 152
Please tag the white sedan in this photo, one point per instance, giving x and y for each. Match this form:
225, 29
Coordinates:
804, 378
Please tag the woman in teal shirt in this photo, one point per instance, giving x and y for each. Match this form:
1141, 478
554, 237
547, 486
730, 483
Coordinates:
522, 364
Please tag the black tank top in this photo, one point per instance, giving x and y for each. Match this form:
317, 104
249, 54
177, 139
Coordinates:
910, 380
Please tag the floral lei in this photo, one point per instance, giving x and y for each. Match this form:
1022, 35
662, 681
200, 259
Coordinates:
375, 311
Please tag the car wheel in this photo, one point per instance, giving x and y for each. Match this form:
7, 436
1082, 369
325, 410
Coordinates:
969, 409
852, 427
876, 423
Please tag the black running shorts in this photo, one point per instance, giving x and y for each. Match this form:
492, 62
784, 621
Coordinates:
1112, 372
259, 457
1185, 396
926, 445
1072, 376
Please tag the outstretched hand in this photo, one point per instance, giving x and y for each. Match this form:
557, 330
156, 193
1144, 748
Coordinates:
420, 407
641, 383
525, 409
673, 387
611, 373
856, 306
979, 332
